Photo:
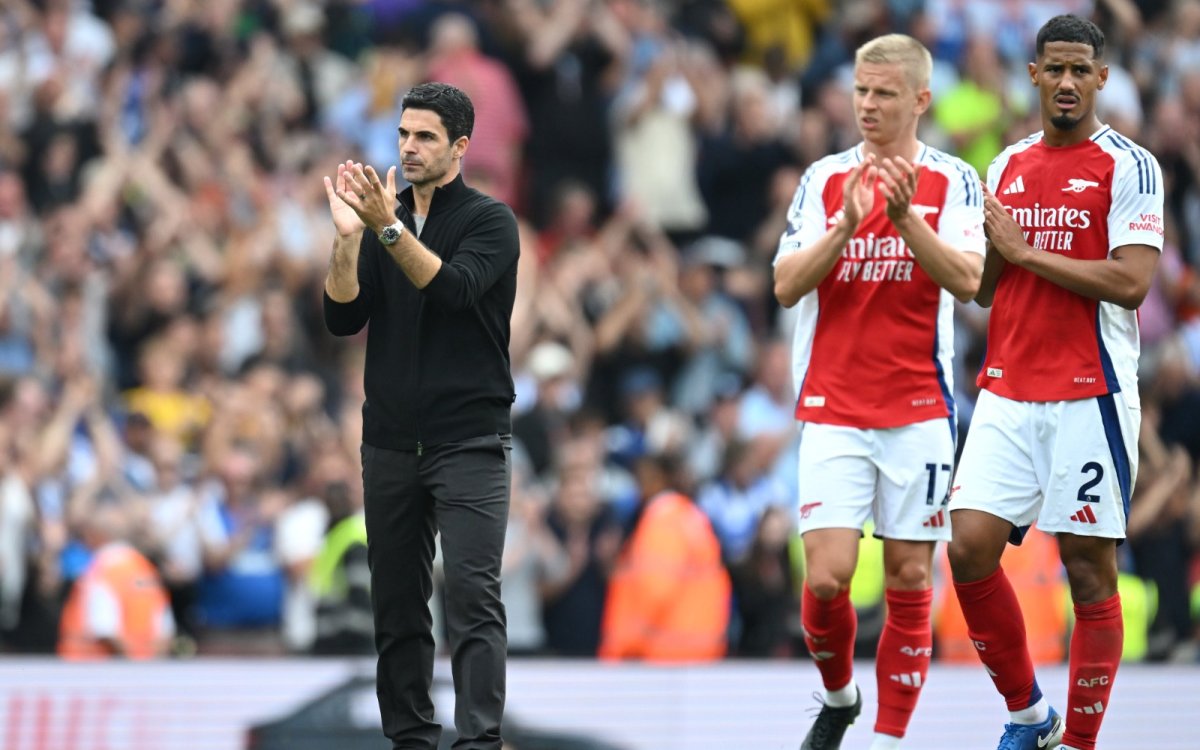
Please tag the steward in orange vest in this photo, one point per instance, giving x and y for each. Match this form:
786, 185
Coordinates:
669, 596
118, 607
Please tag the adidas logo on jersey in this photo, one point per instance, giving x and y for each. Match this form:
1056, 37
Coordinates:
1085, 515
936, 521
1014, 187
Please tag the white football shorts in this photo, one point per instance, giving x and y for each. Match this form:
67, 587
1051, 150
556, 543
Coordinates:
899, 476
1068, 465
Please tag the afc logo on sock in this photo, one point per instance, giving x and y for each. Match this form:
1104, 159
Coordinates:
1093, 682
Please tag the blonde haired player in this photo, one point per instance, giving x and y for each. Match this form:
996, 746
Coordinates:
882, 237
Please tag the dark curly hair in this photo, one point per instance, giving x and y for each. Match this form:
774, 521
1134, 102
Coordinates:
450, 104
1071, 29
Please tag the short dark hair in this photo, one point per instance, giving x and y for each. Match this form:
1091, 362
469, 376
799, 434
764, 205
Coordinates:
1071, 29
450, 104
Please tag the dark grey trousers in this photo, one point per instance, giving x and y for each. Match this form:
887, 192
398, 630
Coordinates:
461, 490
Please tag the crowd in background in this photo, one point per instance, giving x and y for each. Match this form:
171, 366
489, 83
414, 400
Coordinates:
166, 379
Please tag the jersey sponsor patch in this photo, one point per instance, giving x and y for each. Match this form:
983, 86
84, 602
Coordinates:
1147, 223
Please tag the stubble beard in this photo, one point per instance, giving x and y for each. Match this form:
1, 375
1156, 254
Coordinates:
430, 175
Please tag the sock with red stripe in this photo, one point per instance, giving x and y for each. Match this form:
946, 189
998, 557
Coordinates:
902, 659
829, 630
1095, 653
997, 628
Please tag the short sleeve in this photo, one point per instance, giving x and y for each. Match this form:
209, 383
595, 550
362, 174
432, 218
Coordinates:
1136, 214
806, 217
995, 169
961, 222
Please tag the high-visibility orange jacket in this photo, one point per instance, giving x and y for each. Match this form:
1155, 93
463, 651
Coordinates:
126, 579
669, 597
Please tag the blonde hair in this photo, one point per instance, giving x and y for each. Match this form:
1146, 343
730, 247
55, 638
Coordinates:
902, 50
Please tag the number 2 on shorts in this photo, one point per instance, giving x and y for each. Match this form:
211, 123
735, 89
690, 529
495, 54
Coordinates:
1090, 466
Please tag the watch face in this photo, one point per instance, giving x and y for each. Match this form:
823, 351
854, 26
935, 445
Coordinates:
389, 235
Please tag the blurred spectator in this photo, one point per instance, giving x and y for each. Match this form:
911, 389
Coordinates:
20, 232
974, 113
725, 345
240, 600
496, 151
737, 164
653, 116
1162, 531
764, 590
543, 426
644, 320
767, 406
118, 607
736, 500
368, 109
589, 532
303, 539
650, 426
17, 530
341, 578
718, 428
161, 397
533, 560
25, 313
175, 535
669, 597
780, 28
571, 51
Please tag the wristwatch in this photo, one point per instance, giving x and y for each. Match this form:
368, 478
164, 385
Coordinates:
391, 234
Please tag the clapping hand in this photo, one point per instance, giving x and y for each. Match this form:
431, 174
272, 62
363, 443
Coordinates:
858, 194
376, 202
370, 202
898, 183
345, 219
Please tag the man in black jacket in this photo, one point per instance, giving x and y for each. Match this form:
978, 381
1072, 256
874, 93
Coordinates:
436, 277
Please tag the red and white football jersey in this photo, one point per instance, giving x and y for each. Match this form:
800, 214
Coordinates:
1046, 343
874, 341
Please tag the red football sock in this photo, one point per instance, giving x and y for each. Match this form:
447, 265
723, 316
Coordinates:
902, 659
1095, 653
997, 628
829, 629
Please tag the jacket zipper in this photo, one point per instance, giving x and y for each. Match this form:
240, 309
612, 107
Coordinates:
417, 364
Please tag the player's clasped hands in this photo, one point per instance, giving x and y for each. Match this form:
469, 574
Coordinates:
1002, 229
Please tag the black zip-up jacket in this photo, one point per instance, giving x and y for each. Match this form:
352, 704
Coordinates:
437, 367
